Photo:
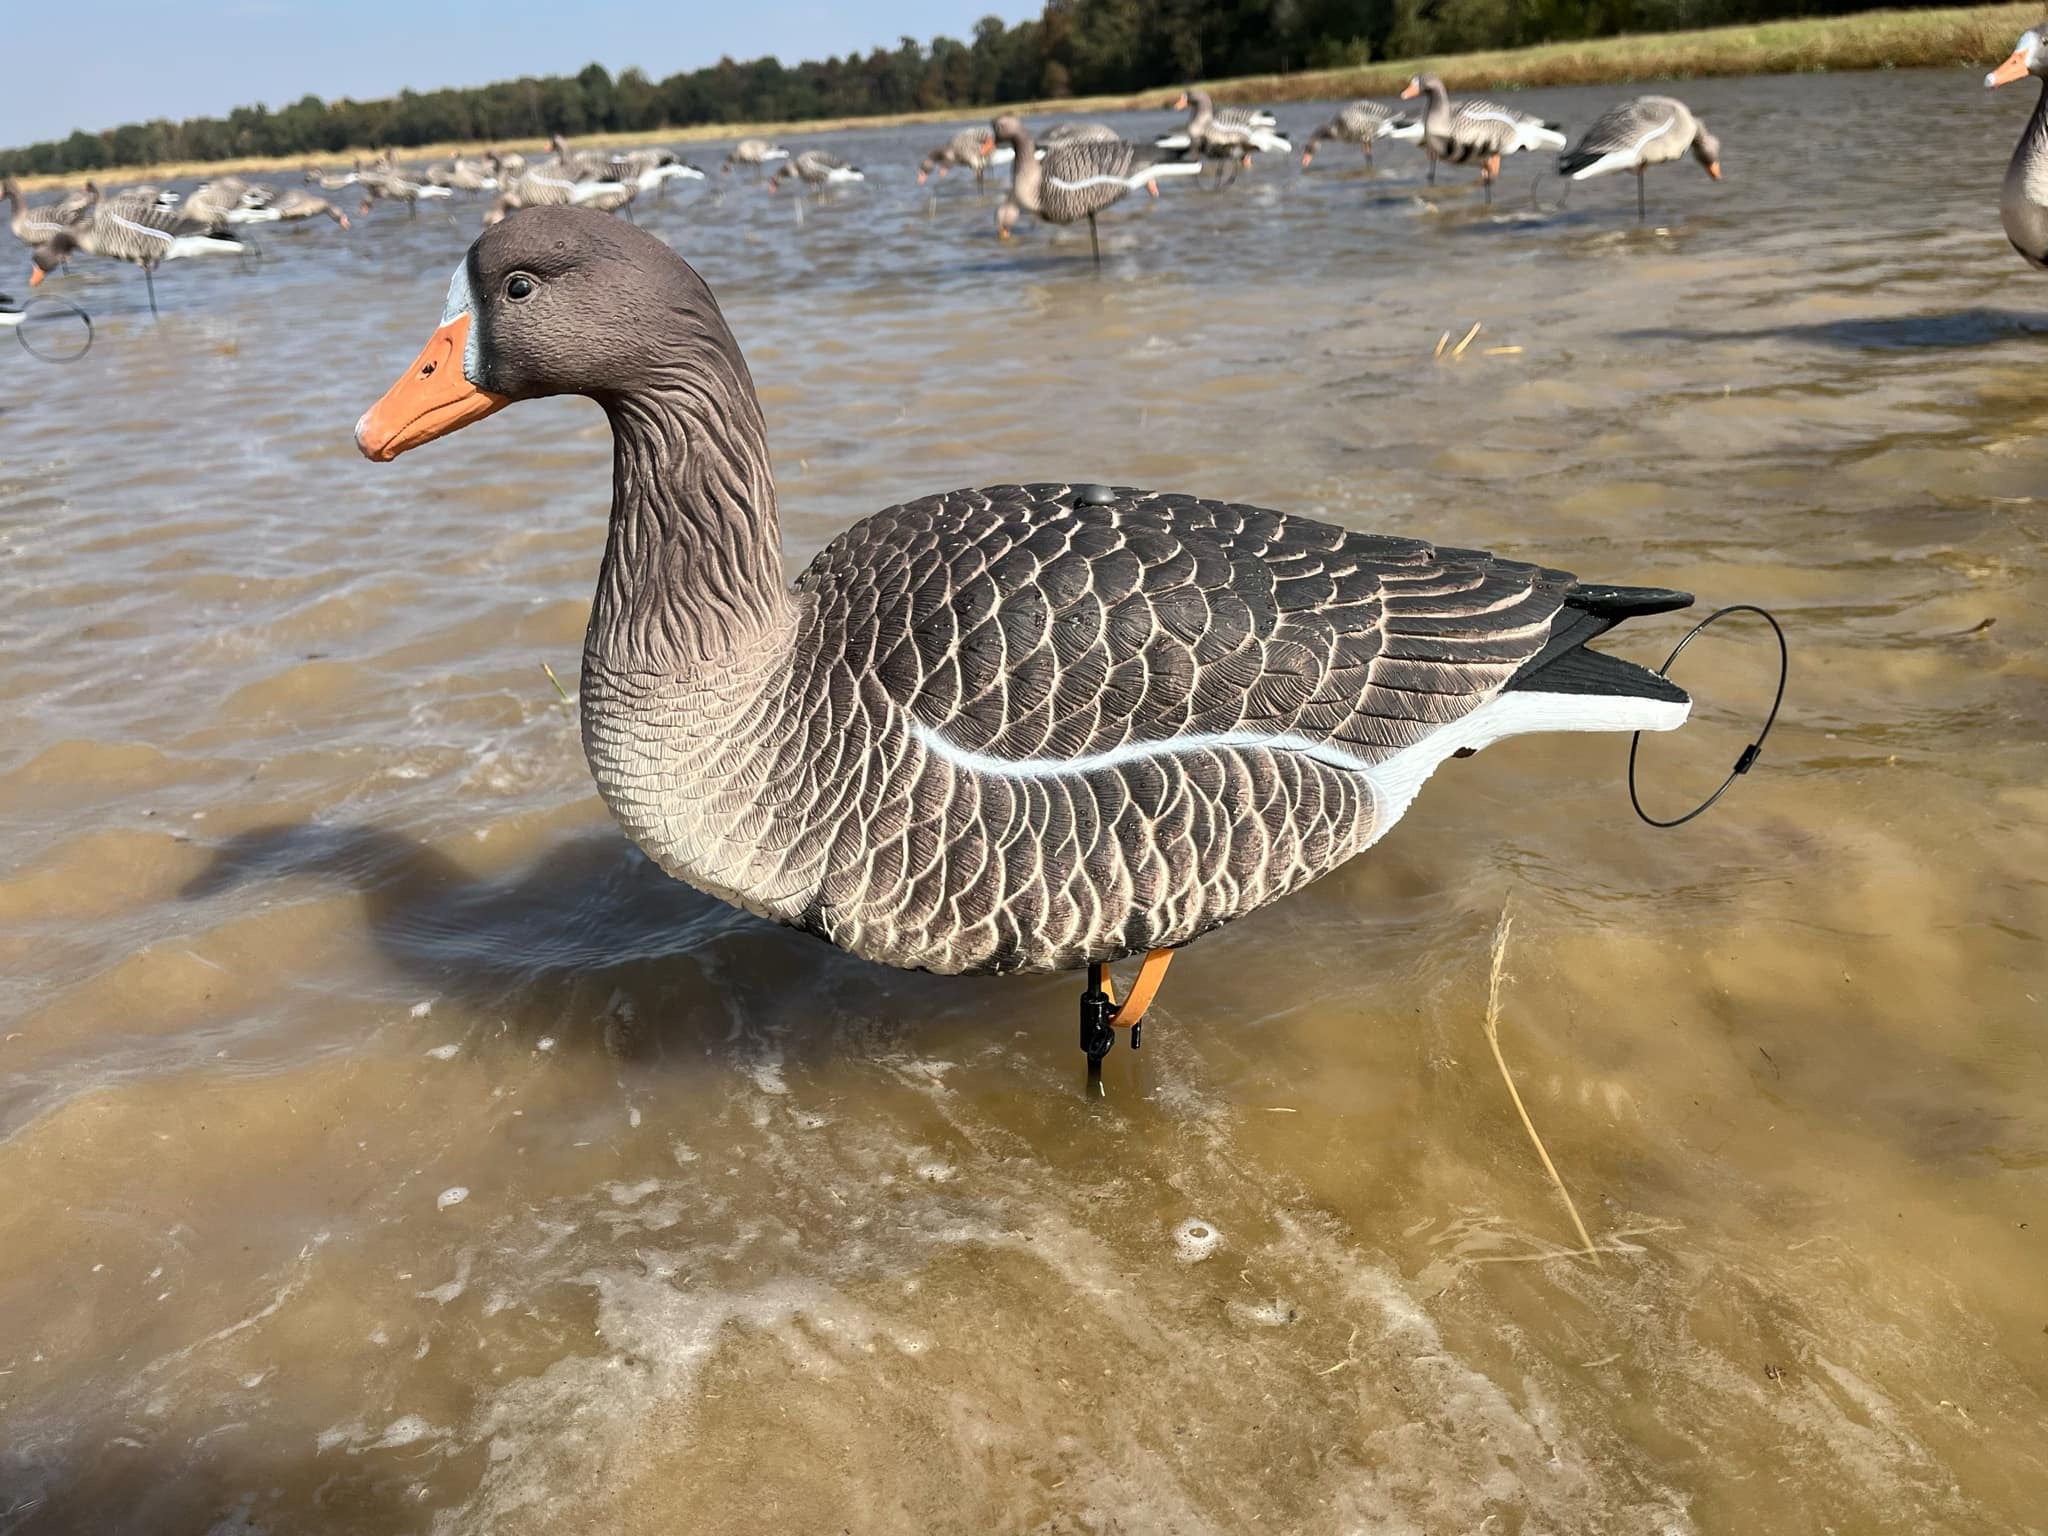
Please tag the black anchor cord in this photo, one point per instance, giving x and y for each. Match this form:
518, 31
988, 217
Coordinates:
1750, 753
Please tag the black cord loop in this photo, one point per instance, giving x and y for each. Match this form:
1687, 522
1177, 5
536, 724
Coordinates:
31, 318
1750, 753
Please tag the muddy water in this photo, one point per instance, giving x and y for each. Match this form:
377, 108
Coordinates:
386, 1146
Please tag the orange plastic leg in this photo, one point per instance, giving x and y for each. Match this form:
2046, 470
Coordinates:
1151, 972
1100, 1013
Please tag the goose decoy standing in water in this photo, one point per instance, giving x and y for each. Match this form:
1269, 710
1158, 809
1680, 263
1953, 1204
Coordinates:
2023, 201
753, 154
1361, 123
136, 229
816, 169
46, 227
964, 149
290, 207
1232, 135
1073, 180
1636, 135
1477, 131
1028, 728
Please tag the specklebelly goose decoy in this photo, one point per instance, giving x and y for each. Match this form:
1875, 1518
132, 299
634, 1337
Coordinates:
753, 154
1650, 130
2023, 201
543, 186
1478, 131
1212, 135
138, 229
649, 170
817, 169
1075, 180
386, 184
46, 229
1030, 728
1068, 131
965, 149
1362, 123
290, 207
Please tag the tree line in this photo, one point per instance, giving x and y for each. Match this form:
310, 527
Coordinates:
1076, 47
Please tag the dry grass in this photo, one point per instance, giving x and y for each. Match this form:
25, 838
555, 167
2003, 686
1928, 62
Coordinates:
1500, 952
1977, 35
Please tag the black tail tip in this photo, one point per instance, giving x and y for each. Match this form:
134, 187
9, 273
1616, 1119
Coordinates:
1617, 603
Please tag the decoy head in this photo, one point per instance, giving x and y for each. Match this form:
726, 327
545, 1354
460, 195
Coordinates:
557, 301
2028, 58
1707, 150
1006, 219
1418, 84
1006, 129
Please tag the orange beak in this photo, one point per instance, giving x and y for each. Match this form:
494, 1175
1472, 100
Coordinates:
431, 399
988, 145
344, 221
920, 177
1411, 89
1180, 102
36, 276
1714, 170
2014, 68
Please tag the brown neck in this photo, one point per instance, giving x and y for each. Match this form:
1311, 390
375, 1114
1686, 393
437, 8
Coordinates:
692, 568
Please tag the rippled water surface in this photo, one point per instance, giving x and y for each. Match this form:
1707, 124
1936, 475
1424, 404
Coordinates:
386, 1146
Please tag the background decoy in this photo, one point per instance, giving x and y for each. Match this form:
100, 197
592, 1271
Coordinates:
1477, 132
1650, 130
1073, 180
1360, 123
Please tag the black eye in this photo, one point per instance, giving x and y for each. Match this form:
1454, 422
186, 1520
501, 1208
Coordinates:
518, 286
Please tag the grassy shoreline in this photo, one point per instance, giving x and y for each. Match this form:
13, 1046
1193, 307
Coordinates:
1972, 35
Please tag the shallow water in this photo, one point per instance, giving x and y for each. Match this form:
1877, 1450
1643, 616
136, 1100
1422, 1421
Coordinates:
386, 1145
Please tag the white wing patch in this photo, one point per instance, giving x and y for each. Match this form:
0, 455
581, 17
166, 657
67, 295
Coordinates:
1394, 779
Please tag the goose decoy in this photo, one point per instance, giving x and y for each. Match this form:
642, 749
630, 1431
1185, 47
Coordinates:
461, 174
965, 150
1028, 728
648, 170
1074, 180
539, 188
1361, 123
1478, 130
1212, 135
216, 202
384, 184
1636, 135
134, 229
2023, 201
753, 154
1070, 132
290, 207
47, 227
816, 169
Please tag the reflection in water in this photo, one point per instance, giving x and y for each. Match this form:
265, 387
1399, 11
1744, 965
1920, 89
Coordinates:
308, 918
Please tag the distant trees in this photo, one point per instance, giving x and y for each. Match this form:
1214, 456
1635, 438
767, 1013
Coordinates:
1079, 47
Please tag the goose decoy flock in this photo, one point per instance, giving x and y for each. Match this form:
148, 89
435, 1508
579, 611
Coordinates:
1021, 728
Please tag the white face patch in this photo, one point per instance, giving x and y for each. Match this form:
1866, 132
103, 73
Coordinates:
462, 302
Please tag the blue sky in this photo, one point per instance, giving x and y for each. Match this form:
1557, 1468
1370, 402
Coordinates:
94, 64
